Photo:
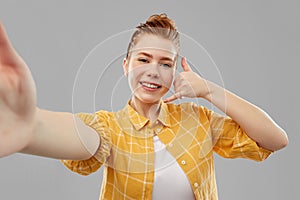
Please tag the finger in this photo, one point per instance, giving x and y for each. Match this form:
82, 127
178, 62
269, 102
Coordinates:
173, 97
185, 65
8, 54
4, 41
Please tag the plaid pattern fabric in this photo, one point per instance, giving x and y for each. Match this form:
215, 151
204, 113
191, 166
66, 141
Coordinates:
191, 134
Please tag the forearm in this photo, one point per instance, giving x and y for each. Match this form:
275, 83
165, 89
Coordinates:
63, 136
254, 121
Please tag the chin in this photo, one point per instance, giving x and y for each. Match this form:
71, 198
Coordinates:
148, 100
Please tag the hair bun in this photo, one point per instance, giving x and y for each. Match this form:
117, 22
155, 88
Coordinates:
159, 25
161, 21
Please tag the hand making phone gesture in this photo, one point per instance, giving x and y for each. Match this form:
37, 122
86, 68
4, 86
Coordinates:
188, 84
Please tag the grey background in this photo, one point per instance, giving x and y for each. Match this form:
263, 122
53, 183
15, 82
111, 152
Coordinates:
255, 45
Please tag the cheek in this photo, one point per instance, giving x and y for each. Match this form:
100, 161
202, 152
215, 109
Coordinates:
167, 78
131, 79
134, 75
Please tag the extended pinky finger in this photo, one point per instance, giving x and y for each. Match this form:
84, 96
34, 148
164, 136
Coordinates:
175, 96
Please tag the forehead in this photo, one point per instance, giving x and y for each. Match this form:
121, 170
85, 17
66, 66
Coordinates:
154, 45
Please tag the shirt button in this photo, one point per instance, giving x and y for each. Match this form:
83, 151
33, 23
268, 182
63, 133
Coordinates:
183, 162
196, 184
170, 144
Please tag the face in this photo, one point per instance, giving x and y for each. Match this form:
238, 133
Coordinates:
150, 68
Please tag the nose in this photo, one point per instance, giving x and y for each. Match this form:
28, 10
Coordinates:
152, 71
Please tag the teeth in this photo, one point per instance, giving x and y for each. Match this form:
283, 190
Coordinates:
149, 85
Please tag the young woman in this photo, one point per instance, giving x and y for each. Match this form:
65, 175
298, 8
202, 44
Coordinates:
151, 149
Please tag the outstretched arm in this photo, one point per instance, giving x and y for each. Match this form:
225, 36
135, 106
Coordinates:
61, 135
258, 125
28, 129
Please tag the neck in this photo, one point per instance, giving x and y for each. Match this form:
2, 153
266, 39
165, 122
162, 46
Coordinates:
148, 110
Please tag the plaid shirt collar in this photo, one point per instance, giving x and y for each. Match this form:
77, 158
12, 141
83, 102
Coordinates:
139, 121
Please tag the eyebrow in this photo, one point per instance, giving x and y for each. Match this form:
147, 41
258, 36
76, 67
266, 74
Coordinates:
149, 55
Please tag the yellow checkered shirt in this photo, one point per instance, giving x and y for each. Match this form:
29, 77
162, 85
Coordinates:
191, 134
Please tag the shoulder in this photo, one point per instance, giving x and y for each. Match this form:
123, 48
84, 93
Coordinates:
188, 107
96, 117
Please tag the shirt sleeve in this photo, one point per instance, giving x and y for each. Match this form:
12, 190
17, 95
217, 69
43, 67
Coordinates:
97, 121
231, 141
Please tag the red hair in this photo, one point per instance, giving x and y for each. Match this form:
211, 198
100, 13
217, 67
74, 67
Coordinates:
160, 25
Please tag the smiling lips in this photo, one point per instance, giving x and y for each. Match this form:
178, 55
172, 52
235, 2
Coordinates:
150, 86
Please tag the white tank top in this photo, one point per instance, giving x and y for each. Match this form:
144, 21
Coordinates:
170, 182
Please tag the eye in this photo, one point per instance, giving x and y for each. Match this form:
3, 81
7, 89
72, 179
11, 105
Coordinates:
166, 65
144, 60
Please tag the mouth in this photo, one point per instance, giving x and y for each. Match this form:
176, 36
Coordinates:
150, 85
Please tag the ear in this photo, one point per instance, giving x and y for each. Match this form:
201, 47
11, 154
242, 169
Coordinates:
125, 66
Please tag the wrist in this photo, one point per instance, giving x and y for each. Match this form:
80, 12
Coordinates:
31, 131
210, 90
